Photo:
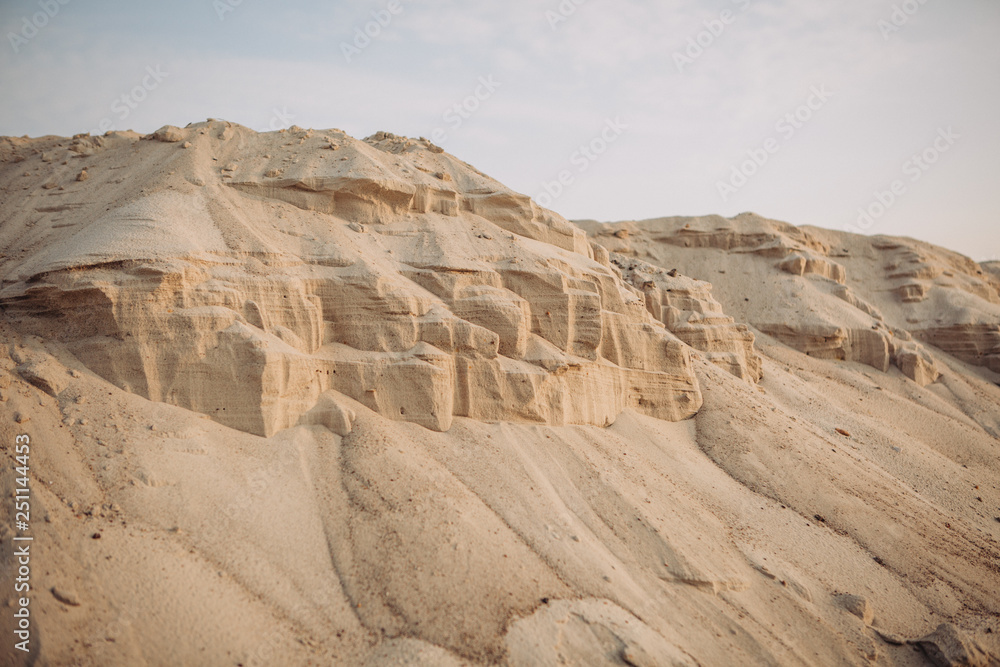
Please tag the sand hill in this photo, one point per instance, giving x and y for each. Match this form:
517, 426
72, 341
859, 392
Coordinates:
296, 398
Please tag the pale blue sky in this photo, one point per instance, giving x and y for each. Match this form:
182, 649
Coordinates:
269, 64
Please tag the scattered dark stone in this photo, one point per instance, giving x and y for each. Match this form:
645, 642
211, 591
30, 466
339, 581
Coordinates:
67, 597
545, 600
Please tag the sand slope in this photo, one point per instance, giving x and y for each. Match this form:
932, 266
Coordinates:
329, 401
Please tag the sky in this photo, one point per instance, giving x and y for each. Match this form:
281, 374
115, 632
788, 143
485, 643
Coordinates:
872, 116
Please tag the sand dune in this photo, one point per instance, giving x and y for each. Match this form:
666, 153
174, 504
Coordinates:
297, 398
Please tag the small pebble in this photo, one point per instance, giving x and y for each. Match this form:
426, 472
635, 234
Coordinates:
67, 597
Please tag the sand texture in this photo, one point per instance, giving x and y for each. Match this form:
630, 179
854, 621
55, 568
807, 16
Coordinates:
296, 398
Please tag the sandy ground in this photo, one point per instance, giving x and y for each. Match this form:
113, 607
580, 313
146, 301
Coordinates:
832, 513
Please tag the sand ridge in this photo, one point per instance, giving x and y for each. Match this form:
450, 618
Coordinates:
686, 441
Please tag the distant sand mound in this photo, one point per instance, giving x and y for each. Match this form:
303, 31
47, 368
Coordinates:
829, 294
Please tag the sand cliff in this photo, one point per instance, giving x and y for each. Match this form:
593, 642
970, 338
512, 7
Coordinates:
349, 401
